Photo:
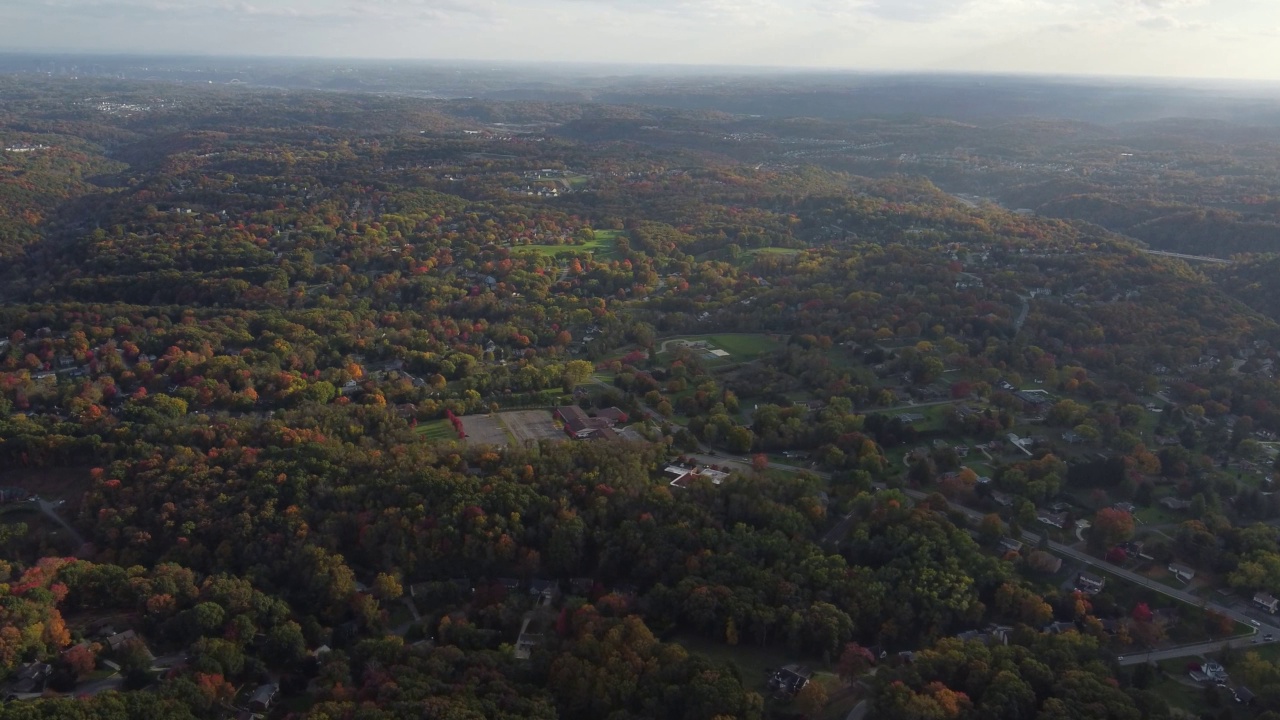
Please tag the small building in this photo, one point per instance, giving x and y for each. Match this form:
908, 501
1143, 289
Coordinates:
546, 591
790, 680
1090, 583
1185, 573
30, 677
1009, 545
1054, 519
118, 640
1214, 671
1266, 602
1058, 628
263, 697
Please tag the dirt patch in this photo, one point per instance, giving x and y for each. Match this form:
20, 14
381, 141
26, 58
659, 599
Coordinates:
485, 430
52, 484
532, 425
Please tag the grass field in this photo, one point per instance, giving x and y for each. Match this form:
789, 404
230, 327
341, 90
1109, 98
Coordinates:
436, 430
743, 346
740, 347
602, 247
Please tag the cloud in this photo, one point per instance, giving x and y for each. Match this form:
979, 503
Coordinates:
914, 11
296, 10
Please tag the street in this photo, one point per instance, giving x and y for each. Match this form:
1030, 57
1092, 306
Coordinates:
1270, 626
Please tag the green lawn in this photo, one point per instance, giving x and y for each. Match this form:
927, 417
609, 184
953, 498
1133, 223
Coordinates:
436, 430
602, 247
1178, 695
1157, 515
741, 346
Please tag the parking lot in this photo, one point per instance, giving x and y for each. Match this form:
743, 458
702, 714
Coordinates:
485, 430
531, 425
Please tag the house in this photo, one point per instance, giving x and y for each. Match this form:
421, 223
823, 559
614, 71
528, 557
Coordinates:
30, 677
1266, 602
1174, 503
527, 640
261, 699
14, 494
1090, 583
1184, 573
1058, 628
790, 680
1133, 547
1125, 507
1244, 695
1056, 519
1009, 545
1002, 499
511, 584
1034, 398
118, 640
546, 591
1214, 670
582, 586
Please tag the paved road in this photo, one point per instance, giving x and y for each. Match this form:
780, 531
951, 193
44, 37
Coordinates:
859, 711
1183, 256
886, 411
1182, 651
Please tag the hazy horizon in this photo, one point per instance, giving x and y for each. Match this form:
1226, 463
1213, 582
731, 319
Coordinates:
1192, 39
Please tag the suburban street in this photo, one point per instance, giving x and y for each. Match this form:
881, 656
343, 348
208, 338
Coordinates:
1264, 625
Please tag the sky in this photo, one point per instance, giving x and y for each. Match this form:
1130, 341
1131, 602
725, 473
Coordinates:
1171, 38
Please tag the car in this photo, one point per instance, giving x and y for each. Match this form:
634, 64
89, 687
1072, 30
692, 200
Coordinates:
1255, 641
1255, 623
1119, 657
1268, 637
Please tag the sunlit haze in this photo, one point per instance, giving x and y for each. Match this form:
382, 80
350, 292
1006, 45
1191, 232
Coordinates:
1188, 38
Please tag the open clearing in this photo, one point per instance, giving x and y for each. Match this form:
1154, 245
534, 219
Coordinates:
726, 348
52, 484
602, 246
531, 425
436, 430
485, 430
